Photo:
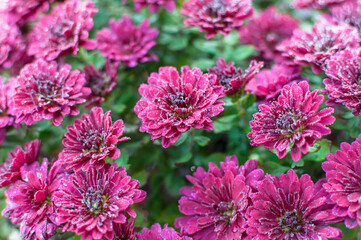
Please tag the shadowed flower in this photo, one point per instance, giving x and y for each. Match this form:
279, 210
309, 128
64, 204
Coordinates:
157, 233
268, 83
349, 12
154, 5
172, 104
101, 83
315, 3
30, 200
124, 231
343, 174
124, 42
10, 169
90, 140
44, 92
293, 118
317, 47
267, 31
232, 78
216, 16
287, 207
215, 206
63, 30
90, 203
343, 83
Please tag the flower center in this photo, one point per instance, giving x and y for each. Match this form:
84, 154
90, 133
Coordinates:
47, 90
290, 221
98, 83
91, 139
226, 209
290, 123
95, 201
180, 104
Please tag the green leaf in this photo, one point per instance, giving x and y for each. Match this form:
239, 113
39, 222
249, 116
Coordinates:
319, 151
274, 168
224, 123
76, 237
240, 53
207, 46
183, 159
142, 177
122, 161
201, 140
181, 139
178, 43
203, 63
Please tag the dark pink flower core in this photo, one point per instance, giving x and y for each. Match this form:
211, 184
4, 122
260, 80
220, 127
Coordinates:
90, 140
90, 203
157, 233
44, 92
63, 30
343, 84
154, 5
172, 104
216, 205
232, 78
287, 207
343, 174
216, 16
317, 47
293, 118
127, 43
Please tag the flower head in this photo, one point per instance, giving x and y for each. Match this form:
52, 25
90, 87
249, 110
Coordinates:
124, 231
268, 83
101, 83
30, 200
90, 140
267, 31
44, 92
315, 3
349, 12
287, 207
343, 83
293, 118
157, 233
168, 5
232, 78
216, 16
127, 43
172, 104
10, 169
343, 174
63, 30
90, 203
316, 47
215, 206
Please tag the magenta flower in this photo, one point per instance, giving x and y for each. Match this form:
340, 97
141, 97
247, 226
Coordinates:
172, 104
124, 231
349, 12
343, 174
268, 83
63, 30
215, 206
22, 11
232, 78
342, 84
317, 47
101, 83
10, 169
90, 140
267, 31
293, 118
30, 200
168, 5
90, 203
44, 92
127, 43
216, 16
287, 207
315, 3
157, 233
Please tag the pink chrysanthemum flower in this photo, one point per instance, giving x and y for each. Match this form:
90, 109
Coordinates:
101, 83
343, 174
299, 4
287, 207
342, 84
232, 78
216, 16
44, 92
30, 200
22, 11
267, 31
293, 118
172, 104
154, 5
157, 233
124, 231
127, 43
90, 203
10, 169
268, 83
63, 30
317, 47
90, 140
215, 207
349, 12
